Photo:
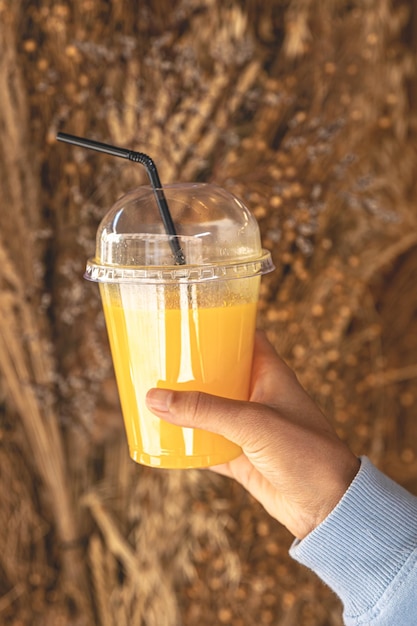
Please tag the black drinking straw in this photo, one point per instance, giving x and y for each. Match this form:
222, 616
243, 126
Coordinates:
144, 159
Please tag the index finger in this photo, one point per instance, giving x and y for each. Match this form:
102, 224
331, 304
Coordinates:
270, 374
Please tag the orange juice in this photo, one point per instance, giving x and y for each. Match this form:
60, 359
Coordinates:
183, 348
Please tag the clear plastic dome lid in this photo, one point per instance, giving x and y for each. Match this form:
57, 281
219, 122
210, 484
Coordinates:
218, 237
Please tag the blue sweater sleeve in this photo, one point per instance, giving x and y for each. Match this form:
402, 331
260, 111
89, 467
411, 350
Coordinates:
366, 551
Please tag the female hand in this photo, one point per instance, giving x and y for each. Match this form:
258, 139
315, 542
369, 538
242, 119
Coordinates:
293, 462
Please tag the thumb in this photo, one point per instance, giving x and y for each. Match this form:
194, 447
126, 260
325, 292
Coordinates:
231, 418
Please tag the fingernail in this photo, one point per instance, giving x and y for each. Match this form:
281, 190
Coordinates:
159, 399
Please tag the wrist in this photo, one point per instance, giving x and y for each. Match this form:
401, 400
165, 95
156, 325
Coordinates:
330, 491
341, 480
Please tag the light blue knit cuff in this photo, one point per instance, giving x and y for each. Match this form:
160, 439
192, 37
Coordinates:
359, 549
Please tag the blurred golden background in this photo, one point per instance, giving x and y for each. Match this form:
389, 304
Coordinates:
305, 110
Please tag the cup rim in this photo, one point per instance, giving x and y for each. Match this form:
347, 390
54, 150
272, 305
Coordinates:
106, 273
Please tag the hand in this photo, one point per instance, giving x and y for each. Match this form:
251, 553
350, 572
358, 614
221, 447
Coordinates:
293, 463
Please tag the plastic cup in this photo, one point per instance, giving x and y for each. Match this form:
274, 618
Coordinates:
182, 327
